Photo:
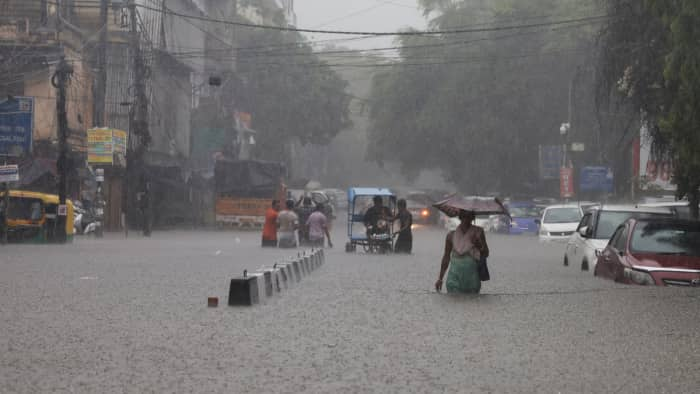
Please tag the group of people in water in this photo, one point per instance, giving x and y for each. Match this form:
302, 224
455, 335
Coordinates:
309, 221
464, 256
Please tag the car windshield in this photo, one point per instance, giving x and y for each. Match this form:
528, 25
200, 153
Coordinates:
562, 215
608, 221
667, 238
524, 212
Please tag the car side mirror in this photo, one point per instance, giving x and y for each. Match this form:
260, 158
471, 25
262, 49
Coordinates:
538, 222
598, 253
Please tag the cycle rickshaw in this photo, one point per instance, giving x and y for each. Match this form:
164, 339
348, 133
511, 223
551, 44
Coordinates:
379, 239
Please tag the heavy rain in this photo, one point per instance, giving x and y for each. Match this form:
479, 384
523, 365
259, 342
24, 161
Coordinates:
321, 196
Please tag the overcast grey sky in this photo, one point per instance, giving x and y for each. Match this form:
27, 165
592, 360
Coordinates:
364, 15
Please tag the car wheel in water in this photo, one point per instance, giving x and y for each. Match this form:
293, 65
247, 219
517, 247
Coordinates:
584, 265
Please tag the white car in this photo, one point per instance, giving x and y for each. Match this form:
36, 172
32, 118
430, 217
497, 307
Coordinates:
559, 222
595, 228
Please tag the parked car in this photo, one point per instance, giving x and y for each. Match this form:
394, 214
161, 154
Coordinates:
597, 226
662, 252
499, 224
523, 217
681, 208
559, 222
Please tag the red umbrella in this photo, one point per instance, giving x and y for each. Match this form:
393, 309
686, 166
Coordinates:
478, 205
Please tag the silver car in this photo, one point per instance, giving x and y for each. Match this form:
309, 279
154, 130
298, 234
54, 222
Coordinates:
595, 228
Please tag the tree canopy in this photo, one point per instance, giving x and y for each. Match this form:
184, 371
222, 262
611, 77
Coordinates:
651, 55
291, 93
477, 106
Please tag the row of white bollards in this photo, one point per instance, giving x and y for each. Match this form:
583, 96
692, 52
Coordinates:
253, 288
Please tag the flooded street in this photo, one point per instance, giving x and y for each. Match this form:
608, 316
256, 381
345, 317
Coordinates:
131, 316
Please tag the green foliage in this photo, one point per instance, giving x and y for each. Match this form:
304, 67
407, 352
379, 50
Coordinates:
290, 97
653, 47
477, 106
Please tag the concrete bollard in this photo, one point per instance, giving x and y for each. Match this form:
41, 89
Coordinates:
267, 281
244, 290
287, 273
282, 276
297, 270
302, 266
307, 266
317, 259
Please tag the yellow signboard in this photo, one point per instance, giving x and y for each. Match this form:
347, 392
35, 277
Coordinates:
104, 143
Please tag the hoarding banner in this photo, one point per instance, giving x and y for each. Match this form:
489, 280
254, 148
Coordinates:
596, 179
16, 126
550, 161
104, 143
566, 182
119, 139
9, 173
653, 173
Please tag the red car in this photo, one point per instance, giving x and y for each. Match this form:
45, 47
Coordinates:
662, 252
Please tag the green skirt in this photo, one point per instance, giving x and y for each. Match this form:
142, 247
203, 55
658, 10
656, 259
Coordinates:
463, 275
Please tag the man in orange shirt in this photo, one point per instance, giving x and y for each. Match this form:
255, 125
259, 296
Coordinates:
269, 235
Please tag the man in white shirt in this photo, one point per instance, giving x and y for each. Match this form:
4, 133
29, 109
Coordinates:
287, 223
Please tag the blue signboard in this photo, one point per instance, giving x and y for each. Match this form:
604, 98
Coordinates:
16, 126
596, 179
550, 161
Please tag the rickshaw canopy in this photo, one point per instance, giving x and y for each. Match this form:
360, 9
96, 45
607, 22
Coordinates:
368, 191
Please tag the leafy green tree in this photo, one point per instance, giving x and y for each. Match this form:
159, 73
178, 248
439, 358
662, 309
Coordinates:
651, 54
291, 93
477, 106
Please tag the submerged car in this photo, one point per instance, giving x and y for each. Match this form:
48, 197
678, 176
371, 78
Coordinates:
597, 226
662, 252
524, 216
559, 222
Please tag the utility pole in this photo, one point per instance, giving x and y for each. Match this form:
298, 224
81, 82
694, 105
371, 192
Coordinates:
100, 88
60, 81
139, 123
5, 209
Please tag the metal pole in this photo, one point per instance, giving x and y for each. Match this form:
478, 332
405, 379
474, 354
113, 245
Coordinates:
101, 80
6, 208
59, 81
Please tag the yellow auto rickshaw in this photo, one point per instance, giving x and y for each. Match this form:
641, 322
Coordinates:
33, 217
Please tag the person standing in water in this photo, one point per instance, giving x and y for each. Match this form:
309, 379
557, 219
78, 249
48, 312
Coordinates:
288, 224
317, 224
404, 241
269, 235
464, 247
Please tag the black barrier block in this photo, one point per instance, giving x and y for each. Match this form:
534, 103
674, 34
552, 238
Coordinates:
243, 291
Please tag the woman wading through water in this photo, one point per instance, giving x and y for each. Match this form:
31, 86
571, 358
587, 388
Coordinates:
464, 248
